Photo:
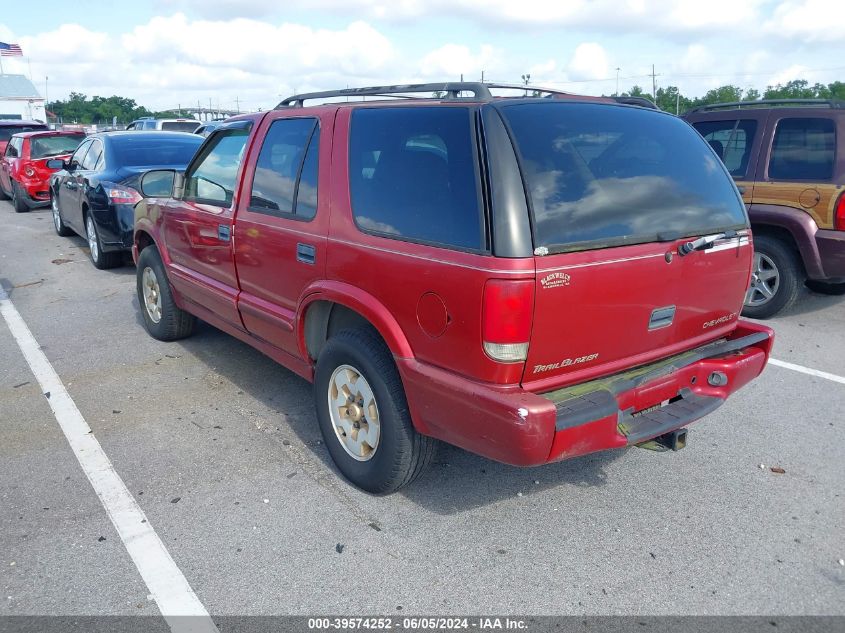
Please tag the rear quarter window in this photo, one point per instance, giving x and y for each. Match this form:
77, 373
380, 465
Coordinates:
803, 149
413, 175
601, 176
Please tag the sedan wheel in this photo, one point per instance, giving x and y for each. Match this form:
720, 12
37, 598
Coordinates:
58, 223
91, 234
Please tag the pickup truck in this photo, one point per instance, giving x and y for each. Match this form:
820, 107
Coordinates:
528, 278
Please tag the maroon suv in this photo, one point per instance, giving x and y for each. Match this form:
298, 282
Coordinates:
530, 279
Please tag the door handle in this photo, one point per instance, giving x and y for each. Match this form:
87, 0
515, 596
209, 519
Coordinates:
306, 253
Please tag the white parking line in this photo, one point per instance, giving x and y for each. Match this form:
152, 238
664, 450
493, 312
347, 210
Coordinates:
165, 581
807, 370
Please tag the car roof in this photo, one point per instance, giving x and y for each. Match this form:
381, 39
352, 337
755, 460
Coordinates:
38, 133
151, 134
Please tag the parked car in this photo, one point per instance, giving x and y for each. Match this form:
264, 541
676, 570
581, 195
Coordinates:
530, 279
788, 159
208, 127
24, 175
96, 190
170, 125
8, 127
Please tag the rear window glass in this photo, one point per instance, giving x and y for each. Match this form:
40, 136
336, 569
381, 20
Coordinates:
180, 126
144, 151
47, 146
731, 140
803, 149
602, 176
412, 175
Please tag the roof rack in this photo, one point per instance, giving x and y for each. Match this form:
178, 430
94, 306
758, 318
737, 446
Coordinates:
643, 102
818, 103
451, 90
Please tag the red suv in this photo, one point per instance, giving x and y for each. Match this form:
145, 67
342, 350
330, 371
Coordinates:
24, 175
530, 279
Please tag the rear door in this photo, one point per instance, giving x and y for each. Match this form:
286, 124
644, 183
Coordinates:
198, 228
615, 191
282, 224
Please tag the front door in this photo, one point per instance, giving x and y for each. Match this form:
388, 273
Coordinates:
198, 229
66, 189
282, 224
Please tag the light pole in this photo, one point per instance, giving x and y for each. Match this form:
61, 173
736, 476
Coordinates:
525, 79
617, 81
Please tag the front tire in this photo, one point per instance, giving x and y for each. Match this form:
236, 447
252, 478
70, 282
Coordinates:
363, 414
163, 319
776, 280
18, 199
100, 259
58, 224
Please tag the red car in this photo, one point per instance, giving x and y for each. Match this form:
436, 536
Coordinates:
530, 279
24, 175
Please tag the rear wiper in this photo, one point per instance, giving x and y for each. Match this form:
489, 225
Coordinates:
704, 242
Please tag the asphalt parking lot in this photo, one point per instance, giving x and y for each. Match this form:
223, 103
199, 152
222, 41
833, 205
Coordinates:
219, 448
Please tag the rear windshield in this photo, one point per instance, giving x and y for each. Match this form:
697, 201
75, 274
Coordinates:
180, 126
143, 151
603, 176
6, 131
47, 146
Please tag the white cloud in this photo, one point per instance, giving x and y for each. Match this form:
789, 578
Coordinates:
809, 20
451, 60
589, 62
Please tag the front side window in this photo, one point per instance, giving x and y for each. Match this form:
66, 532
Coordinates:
277, 188
89, 162
731, 140
212, 178
601, 176
412, 175
80, 152
803, 149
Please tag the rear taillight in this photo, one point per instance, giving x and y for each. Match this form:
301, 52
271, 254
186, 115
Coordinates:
839, 218
123, 195
506, 319
28, 171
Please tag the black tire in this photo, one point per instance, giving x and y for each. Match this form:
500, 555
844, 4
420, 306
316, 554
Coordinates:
4, 195
790, 277
174, 323
401, 454
101, 260
827, 287
58, 223
18, 200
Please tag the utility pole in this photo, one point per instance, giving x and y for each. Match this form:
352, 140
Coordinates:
654, 77
617, 81
482, 76
46, 97
237, 105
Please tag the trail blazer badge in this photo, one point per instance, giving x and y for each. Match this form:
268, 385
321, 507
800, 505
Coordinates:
555, 280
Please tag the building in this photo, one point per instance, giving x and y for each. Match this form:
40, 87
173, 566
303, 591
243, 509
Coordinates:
19, 99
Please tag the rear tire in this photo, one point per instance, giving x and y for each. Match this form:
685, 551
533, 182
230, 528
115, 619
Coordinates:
359, 358
18, 199
101, 260
777, 278
4, 195
163, 319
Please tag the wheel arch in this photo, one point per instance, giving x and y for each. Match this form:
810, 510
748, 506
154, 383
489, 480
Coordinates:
795, 228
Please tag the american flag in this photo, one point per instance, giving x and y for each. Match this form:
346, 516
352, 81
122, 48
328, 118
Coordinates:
10, 50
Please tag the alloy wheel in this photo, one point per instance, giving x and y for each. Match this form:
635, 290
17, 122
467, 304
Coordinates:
765, 281
91, 234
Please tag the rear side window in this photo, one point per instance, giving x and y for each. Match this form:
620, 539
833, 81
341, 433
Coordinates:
601, 176
211, 180
278, 188
412, 175
180, 126
732, 142
803, 149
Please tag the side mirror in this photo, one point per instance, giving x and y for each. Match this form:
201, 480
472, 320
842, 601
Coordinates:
55, 163
159, 183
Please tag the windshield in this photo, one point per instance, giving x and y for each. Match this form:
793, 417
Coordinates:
180, 126
144, 151
603, 176
47, 146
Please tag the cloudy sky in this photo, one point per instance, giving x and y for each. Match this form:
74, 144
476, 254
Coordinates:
164, 53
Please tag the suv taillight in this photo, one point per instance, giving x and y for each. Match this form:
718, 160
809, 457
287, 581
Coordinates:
506, 319
839, 218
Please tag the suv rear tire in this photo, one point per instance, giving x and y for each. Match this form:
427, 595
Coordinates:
163, 319
358, 363
777, 278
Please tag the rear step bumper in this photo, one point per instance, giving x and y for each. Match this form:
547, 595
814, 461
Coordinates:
522, 428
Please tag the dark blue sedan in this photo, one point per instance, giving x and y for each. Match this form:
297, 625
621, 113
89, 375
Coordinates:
95, 193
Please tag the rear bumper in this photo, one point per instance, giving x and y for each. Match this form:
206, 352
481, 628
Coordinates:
831, 246
514, 426
36, 193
